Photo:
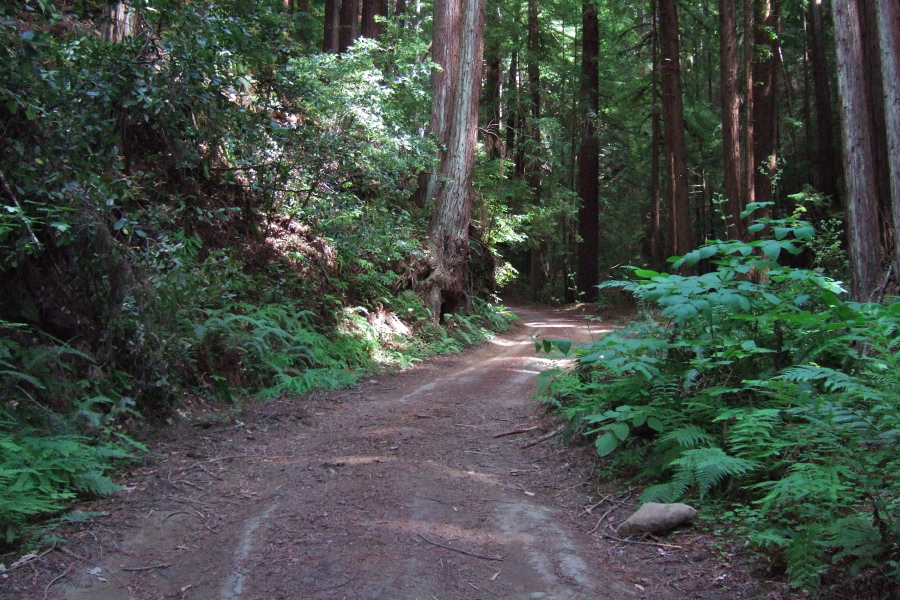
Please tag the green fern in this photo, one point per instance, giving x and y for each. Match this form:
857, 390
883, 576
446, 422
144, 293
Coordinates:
708, 467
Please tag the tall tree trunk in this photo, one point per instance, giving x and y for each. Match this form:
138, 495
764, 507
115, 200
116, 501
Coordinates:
349, 24
589, 157
862, 205
874, 94
331, 39
889, 36
370, 26
826, 156
448, 233
673, 126
656, 242
765, 107
749, 156
490, 106
731, 116
534, 92
511, 108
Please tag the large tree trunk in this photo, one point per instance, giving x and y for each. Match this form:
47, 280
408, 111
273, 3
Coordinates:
349, 24
490, 105
370, 26
448, 233
765, 107
331, 39
588, 158
874, 93
731, 116
673, 125
889, 35
862, 204
826, 156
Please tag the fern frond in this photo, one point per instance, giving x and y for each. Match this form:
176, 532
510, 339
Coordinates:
688, 436
707, 467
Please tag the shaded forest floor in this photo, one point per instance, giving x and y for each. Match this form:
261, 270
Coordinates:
401, 488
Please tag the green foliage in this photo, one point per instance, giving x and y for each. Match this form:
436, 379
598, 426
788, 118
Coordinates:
755, 384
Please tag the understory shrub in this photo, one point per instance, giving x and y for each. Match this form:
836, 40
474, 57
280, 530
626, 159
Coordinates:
756, 385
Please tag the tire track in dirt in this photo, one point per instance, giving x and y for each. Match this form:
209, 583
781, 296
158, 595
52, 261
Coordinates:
396, 490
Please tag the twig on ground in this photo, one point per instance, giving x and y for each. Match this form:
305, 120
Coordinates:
627, 541
54, 580
544, 438
467, 553
344, 395
70, 553
147, 568
334, 587
515, 431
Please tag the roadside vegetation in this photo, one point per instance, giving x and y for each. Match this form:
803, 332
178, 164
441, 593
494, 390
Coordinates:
760, 391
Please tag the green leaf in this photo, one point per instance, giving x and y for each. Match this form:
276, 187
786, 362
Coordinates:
646, 273
756, 227
771, 249
564, 346
606, 443
620, 430
655, 424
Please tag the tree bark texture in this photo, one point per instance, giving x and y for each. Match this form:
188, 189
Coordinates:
331, 39
674, 129
589, 159
371, 27
349, 24
874, 93
862, 205
889, 37
448, 235
826, 156
731, 117
656, 242
534, 92
765, 106
749, 156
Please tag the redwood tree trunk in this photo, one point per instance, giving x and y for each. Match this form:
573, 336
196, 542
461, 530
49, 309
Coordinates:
765, 107
862, 205
448, 234
731, 116
371, 27
889, 35
349, 24
656, 242
673, 126
331, 40
588, 158
749, 156
826, 156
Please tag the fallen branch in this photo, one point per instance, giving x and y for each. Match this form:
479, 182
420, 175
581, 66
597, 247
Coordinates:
148, 568
544, 438
54, 580
515, 431
467, 553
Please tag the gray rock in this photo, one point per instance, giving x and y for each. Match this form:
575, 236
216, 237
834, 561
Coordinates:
656, 518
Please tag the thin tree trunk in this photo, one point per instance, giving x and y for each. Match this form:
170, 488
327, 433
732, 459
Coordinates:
826, 161
749, 155
511, 108
490, 106
674, 132
765, 107
588, 158
533, 168
656, 241
731, 116
889, 36
862, 206
448, 234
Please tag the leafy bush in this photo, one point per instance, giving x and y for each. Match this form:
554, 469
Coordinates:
756, 384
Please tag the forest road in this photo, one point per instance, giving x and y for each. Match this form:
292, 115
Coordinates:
400, 489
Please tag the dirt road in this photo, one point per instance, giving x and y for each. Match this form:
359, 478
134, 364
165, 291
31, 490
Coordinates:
399, 489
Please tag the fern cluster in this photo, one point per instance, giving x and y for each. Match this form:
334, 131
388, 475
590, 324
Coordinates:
772, 394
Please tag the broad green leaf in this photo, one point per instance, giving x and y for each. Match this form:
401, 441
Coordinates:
606, 443
756, 227
646, 273
655, 424
620, 430
771, 249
